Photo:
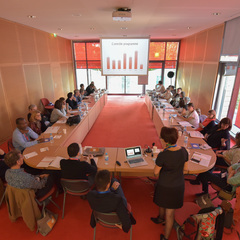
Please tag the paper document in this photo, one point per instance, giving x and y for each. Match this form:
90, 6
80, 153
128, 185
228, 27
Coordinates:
74, 111
61, 121
29, 155
170, 110
201, 159
57, 136
195, 134
205, 146
44, 149
50, 161
56, 162
52, 130
185, 124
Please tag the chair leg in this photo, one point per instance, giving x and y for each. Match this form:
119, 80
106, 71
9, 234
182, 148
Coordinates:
43, 208
2, 197
64, 200
131, 233
54, 203
94, 233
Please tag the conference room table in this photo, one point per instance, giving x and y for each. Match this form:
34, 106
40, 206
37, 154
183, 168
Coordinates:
77, 133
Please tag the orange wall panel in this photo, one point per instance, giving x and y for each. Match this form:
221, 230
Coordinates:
42, 46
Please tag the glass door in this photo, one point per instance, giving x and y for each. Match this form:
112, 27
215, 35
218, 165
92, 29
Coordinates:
132, 86
224, 89
116, 84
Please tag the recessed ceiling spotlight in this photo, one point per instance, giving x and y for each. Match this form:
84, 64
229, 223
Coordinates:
92, 28
76, 14
123, 28
31, 16
188, 28
124, 35
216, 13
60, 29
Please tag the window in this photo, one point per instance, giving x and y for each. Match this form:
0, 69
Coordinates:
162, 60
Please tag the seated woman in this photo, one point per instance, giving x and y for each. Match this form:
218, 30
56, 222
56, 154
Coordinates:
229, 183
58, 111
208, 123
229, 157
191, 115
35, 122
219, 137
202, 117
169, 191
71, 101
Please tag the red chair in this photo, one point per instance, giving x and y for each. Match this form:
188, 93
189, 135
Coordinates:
107, 220
45, 102
46, 199
75, 187
10, 145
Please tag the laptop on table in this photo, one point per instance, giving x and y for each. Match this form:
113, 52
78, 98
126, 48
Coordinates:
134, 157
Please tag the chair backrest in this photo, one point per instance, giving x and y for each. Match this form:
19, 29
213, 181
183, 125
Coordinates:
10, 145
107, 219
45, 101
75, 185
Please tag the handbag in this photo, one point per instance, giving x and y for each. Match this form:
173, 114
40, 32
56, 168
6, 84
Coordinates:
73, 120
47, 222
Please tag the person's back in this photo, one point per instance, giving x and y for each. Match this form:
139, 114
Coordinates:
108, 198
73, 168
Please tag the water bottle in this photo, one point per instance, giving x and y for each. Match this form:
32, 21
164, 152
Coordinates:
51, 138
185, 141
170, 117
185, 131
158, 106
106, 159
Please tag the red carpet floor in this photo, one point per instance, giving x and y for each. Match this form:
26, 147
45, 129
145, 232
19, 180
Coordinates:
124, 122
138, 191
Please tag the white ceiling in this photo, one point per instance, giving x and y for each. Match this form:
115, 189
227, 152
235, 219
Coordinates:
161, 19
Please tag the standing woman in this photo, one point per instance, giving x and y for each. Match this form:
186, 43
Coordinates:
169, 191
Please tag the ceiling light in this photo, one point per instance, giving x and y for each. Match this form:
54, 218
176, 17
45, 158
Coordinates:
122, 14
76, 14
188, 28
216, 13
60, 29
123, 28
31, 16
92, 28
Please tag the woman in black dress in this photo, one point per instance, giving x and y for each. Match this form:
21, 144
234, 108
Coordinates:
169, 191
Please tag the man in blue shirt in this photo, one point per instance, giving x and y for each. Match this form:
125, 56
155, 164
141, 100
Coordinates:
77, 96
23, 134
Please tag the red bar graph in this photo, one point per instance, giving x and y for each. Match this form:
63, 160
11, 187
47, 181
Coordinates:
136, 60
126, 63
119, 64
130, 63
108, 62
113, 64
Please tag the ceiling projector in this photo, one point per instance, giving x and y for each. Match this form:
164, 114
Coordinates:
122, 14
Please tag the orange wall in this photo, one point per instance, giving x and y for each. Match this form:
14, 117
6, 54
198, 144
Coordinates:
33, 65
198, 65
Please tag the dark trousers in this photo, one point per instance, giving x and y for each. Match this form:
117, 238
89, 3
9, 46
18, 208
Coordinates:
206, 177
3, 169
48, 186
221, 162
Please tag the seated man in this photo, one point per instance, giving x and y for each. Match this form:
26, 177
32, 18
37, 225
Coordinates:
109, 197
90, 89
16, 177
159, 87
23, 134
167, 95
228, 182
71, 101
176, 98
3, 166
73, 168
77, 96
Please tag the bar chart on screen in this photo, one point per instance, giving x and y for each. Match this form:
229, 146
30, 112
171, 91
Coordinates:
125, 56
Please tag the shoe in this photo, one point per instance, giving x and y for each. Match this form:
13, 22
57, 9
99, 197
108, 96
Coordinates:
162, 237
200, 194
158, 220
195, 182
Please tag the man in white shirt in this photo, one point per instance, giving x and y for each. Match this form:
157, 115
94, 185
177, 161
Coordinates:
159, 87
192, 116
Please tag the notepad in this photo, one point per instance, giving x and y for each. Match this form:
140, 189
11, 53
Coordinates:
44, 149
29, 155
185, 124
57, 136
201, 159
52, 130
195, 134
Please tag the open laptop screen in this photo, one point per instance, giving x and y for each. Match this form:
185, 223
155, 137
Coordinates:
133, 152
